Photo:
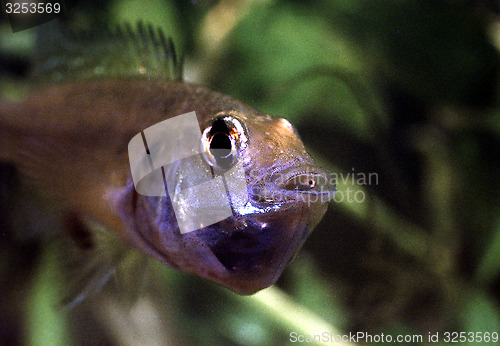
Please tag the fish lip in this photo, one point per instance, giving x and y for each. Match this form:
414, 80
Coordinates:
279, 187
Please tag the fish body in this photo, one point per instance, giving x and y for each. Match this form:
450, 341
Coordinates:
70, 138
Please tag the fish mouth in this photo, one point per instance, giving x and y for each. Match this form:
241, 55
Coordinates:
306, 183
256, 251
240, 252
249, 242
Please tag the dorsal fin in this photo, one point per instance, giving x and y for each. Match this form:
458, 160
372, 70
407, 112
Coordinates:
125, 51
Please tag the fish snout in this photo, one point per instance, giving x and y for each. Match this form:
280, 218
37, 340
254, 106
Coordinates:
309, 184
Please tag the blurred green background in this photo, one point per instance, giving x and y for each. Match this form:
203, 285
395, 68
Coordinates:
406, 91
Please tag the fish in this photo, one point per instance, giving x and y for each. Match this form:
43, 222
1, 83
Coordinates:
92, 94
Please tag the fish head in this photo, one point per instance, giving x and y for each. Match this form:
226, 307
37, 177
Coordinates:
287, 197
276, 195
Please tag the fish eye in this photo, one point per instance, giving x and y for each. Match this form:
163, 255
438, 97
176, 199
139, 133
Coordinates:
222, 142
